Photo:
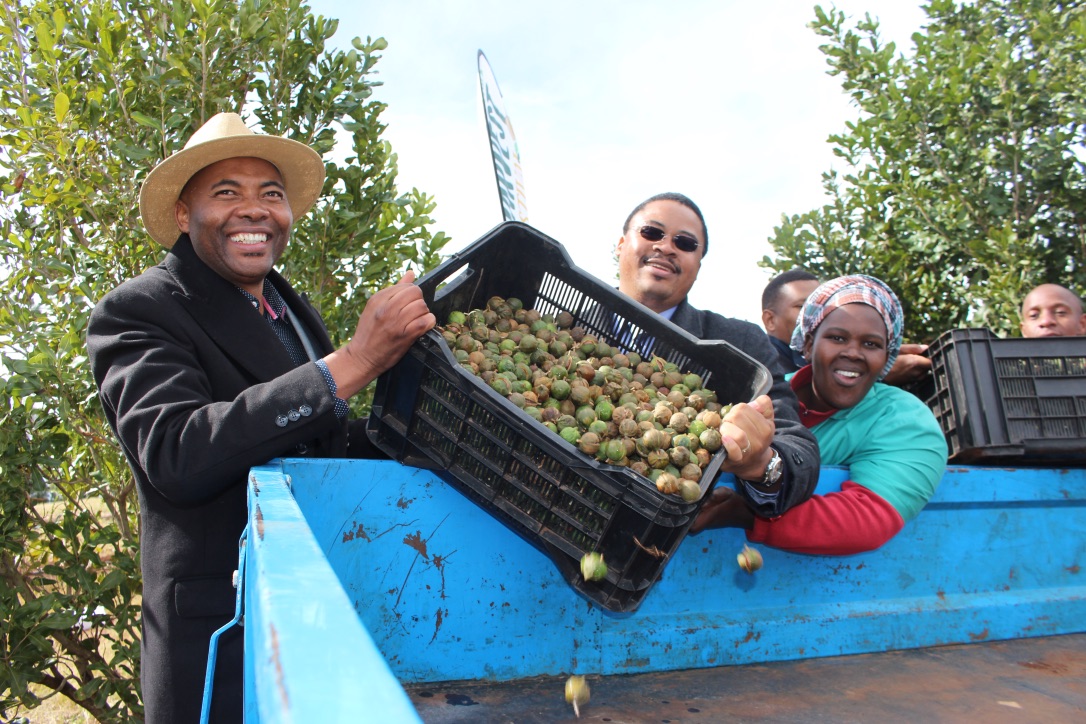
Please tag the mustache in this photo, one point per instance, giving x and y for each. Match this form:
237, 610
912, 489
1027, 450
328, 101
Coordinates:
661, 259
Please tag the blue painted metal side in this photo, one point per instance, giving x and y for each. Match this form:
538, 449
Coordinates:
308, 657
447, 593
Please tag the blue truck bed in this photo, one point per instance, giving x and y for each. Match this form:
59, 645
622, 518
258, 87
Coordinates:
376, 588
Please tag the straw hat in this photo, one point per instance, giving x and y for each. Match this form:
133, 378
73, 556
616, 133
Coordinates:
226, 136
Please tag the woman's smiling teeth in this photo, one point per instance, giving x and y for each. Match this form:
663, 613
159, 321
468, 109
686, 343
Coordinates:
249, 238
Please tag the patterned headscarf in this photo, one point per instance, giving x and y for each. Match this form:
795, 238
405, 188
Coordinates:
852, 289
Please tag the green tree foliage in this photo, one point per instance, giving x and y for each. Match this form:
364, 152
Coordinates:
965, 179
92, 95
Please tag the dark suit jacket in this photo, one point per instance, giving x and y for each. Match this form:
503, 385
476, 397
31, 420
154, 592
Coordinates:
789, 359
198, 389
795, 444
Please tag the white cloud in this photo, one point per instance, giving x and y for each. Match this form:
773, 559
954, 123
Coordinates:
727, 102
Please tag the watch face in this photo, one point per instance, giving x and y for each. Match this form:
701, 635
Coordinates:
773, 471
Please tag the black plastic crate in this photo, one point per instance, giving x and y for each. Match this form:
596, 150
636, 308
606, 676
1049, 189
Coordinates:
1010, 401
429, 412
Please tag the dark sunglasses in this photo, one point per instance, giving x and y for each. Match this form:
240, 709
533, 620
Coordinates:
682, 242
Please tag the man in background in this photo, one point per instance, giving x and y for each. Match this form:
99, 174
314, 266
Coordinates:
782, 301
1051, 310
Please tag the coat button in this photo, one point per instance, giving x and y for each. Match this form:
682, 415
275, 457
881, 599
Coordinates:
281, 421
306, 410
302, 448
294, 415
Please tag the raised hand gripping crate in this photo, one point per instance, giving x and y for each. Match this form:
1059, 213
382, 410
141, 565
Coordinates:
429, 412
1010, 401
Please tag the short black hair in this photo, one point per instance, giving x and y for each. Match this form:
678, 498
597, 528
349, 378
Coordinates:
772, 290
677, 198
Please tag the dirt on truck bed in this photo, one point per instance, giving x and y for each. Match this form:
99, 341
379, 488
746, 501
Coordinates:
1023, 680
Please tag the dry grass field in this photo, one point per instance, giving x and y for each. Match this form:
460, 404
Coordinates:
57, 710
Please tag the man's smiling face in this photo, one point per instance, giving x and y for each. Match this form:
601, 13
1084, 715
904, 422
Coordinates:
656, 273
237, 215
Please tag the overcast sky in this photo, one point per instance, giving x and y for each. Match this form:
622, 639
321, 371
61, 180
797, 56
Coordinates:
727, 102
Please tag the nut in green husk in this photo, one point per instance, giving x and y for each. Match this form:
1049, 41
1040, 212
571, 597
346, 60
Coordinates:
689, 490
749, 559
592, 567
577, 693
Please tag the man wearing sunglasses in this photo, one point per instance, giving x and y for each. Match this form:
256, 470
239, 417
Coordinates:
770, 452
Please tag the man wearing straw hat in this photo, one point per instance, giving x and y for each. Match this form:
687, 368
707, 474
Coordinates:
210, 363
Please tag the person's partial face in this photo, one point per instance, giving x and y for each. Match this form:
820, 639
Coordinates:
847, 353
780, 321
1052, 311
657, 273
236, 213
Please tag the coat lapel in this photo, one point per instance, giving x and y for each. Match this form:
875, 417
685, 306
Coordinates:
687, 318
227, 316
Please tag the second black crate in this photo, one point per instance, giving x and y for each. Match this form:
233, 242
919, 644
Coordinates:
1010, 401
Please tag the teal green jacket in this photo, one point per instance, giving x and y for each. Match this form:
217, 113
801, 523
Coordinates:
892, 445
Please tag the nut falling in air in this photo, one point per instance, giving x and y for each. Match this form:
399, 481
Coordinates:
592, 567
577, 693
749, 559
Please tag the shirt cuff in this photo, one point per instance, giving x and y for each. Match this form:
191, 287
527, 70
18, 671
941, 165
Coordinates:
759, 495
341, 406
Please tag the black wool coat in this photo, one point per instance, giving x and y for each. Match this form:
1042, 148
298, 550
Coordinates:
199, 389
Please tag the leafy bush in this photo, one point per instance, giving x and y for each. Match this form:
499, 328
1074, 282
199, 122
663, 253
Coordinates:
965, 179
92, 95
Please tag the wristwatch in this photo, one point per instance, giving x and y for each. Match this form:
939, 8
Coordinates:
772, 474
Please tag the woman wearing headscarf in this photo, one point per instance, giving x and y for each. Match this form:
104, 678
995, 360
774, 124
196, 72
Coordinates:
850, 331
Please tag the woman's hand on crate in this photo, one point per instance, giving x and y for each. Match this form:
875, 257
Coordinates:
911, 365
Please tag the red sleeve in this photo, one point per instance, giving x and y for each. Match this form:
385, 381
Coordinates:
836, 524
